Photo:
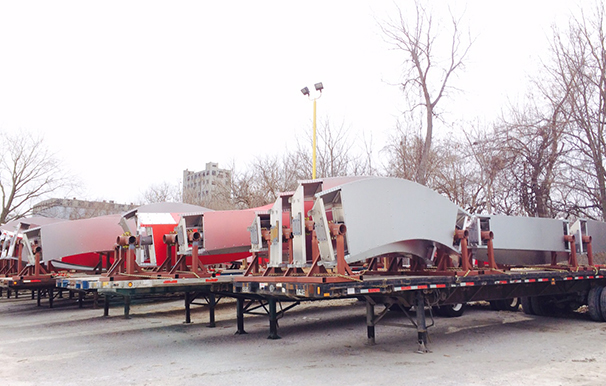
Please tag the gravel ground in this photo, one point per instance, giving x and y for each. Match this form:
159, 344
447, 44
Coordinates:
322, 343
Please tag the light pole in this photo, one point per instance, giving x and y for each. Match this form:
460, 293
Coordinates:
319, 87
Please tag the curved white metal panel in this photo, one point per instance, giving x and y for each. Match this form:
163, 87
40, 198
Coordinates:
391, 216
67, 238
304, 193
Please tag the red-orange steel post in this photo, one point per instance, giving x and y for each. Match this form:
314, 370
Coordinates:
488, 236
554, 258
195, 261
338, 231
316, 268
266, 234
37, 253
572, 257
462, 236
288, 236
170, 240
19, 256
315, 250
130, 259
587, 240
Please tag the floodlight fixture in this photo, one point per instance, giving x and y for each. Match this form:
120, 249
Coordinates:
319, 87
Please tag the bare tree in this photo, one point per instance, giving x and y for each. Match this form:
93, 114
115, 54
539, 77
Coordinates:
530, 139
274, 175
338, 154
28, 171
578, 73
458, 174
246, 192
404, 152
265, 178
268, 176
162, 192
426, 74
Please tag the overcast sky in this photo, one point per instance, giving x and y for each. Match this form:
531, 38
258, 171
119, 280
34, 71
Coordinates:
131, 93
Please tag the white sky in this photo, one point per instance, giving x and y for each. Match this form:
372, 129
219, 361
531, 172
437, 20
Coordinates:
131, 93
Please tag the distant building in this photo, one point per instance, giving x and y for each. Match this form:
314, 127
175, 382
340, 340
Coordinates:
201, 187
72, 209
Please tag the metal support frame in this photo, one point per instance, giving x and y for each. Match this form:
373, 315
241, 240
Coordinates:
211, 302
420, 323
106, 305
170, 240
197, 268
271, 306
37, 269
316, 268
125, 264
40, 292
255, 265
13, 264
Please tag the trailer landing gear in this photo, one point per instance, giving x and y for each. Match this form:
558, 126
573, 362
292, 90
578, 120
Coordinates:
420, 322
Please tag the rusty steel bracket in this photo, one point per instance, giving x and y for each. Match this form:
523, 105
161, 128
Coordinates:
462, 235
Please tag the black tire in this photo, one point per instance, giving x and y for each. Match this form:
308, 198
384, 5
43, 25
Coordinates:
512, 304
538, 306
496, 305
527, 306
542, 306
436, 311
603, 304
593, 304
452, 310
395, 307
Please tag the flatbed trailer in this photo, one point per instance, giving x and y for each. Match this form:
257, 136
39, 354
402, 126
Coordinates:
543, 290
211, 289
41, 286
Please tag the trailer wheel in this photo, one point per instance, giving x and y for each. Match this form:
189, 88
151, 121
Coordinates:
452, 310
395, 307
541, 306
512, 304
603, 304
527, 306
593, 304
